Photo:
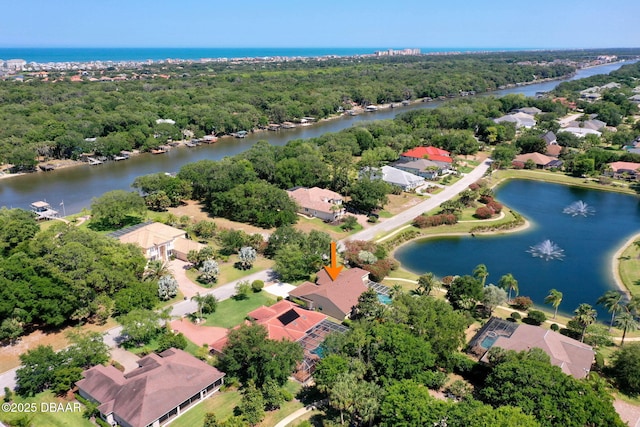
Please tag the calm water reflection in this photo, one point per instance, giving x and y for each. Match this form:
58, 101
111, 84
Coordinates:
584, 273
76, 186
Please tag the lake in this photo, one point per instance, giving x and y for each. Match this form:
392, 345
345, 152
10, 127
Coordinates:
589, 243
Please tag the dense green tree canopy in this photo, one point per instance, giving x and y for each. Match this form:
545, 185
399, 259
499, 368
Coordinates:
626, 368
250, 356
116, 208
543, 390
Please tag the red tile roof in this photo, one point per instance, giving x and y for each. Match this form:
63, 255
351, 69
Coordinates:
283, 320
431, 153
286, 320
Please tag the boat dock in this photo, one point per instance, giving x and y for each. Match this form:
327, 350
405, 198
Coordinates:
43, 210
92, 161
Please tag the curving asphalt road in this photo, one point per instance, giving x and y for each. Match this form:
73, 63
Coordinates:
182, 308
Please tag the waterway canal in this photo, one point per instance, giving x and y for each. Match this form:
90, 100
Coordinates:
76, 186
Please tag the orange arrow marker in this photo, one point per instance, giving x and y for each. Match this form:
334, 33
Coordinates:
334, 270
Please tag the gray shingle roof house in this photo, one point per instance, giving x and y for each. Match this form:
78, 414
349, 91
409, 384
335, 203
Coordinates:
532, 111
520, 120
421, 167
158, 391
550, 138
402, 179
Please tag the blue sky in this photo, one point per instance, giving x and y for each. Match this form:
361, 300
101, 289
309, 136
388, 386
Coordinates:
329, 23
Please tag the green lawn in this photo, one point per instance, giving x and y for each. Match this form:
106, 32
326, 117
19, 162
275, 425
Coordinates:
228, 273
222, 403
560, 178
630, 269
47, 418
308, 224
273, 417
231, 312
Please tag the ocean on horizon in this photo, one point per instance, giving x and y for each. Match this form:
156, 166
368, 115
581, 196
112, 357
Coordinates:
85, 54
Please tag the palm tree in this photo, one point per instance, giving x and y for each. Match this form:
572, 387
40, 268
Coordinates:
585, 315
396, 290
481, 273
554, 298
633, 306
509, 283
627, 322
155, 270
426, 283
199, 299
612, 300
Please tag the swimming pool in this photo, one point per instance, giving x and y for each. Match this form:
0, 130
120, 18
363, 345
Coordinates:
384, 299
488, 342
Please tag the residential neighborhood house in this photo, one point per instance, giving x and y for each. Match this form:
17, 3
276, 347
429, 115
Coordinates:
437, 155
625, 170
422, 167
553, 149
541, 161
158, 391
318, 202
519, 119
580, 132
158, 241
532, 111
335, 298
405, 180
572, 356
287, 321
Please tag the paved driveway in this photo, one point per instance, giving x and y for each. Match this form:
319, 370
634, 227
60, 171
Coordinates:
179, 269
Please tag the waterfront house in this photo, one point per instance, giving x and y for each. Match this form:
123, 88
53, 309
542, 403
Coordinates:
158, 241
625, 170
158, 391
572, 356
318, 202
335, 298
541, 161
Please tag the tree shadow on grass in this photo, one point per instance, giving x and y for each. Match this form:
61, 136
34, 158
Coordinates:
102, 226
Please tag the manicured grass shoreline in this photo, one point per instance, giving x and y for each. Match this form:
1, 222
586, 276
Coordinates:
625, 271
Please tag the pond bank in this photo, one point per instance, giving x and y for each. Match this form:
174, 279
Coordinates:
589, 273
